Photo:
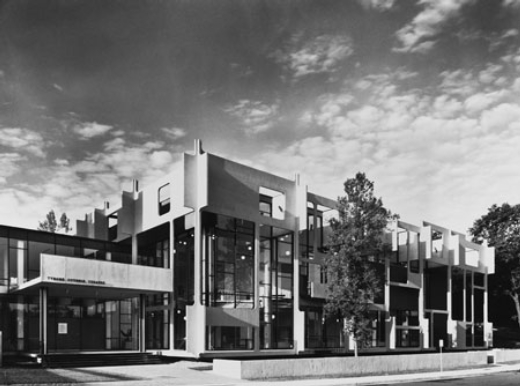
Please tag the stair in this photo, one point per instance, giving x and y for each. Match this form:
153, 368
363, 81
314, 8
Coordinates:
91, 360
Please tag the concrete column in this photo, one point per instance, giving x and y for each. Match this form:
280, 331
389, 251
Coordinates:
142, 323
135, 254
299, 316
20, 323
450, 327
44, 349
488, 327
172, 304
391, 332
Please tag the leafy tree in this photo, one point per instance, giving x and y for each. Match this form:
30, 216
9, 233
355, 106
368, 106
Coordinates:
355, 242
500, 227
52, 225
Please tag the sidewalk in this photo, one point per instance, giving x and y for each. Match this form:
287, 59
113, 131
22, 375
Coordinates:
185, 373
193, 373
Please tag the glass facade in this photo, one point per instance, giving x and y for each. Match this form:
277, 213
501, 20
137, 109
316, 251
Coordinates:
229, 265
20, 251
229, 338
275, 280
321, 332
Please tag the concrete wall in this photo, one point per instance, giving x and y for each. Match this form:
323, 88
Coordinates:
506, 355
104, 274
346, 366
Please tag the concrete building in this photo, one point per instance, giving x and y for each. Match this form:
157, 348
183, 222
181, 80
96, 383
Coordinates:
220, 259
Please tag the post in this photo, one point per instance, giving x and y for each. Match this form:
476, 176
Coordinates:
43, 320
142, 322
0, 348
441, 344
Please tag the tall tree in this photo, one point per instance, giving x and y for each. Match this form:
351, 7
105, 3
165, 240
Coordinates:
500, 227
52, 225
357, 237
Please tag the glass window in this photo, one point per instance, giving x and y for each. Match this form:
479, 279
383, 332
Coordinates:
230, 261
276, 288
266, 206
164, 199
230, 338
68, 246
272, 203
93, 249
35, 251
184, 262
4, 262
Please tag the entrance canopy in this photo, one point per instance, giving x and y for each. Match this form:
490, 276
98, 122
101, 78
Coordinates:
77, 277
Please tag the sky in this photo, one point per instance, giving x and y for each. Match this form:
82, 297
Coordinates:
422, 96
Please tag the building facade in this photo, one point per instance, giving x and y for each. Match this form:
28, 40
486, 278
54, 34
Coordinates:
220, 259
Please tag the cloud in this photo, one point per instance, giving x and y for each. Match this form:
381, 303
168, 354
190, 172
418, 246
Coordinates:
418, 35
76, 187
322, 54
174, 133
90, 130
380, 5
434, 154
23, 140
511, 3
9, 165
255, 116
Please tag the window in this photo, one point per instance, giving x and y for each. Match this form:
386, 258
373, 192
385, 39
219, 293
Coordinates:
323, 275
164, 199
266, 205
230, 338
230, 261
272, 203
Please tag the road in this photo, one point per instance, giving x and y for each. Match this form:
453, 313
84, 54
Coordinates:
499, 379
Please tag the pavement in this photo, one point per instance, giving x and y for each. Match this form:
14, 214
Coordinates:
185, 373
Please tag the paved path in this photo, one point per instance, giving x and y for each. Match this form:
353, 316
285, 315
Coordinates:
193, 373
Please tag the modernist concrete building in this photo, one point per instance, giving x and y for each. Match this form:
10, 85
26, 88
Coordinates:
220, 259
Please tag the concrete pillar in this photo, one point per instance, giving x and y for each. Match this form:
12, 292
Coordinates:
142, 323
452, 330
20, 324
391, 332
172, 304
44, 349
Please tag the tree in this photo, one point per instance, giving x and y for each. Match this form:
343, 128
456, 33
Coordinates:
52, 225
500, 227
356, 242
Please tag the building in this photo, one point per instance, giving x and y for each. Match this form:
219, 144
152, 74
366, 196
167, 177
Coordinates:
219, 259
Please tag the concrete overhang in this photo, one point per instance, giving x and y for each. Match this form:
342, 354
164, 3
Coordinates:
76, 277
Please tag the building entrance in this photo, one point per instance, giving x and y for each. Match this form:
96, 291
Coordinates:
88, 324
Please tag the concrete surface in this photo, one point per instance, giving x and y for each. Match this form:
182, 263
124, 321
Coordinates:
347, 366
195, 373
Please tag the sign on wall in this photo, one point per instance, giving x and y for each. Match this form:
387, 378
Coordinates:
62, 328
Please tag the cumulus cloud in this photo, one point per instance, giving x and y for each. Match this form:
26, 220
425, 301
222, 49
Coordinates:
21, 139
76, 187
422, 149
9, 165
174, 133
511, 3
380, 5
255, 116
419, 35
88, 130
323, 54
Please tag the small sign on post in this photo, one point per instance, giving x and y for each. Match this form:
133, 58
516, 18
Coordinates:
441, 345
